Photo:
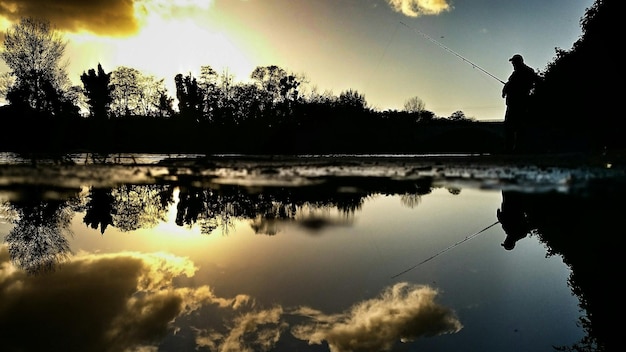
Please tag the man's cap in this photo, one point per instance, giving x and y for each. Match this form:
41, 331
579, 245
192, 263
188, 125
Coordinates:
517, 58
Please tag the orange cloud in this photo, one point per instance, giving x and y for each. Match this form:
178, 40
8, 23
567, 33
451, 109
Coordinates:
102, 17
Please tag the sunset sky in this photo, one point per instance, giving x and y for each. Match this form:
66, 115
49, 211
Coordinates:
381, 48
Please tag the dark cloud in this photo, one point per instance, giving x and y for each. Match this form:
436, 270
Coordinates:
102, 17
112, 302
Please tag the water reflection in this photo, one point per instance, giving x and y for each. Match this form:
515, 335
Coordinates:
39, 237
513, 218
124, 301
127, 300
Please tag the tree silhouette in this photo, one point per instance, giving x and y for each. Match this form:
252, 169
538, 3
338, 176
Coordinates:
577, 94
149, 96
269, 78
99, 90
190, 97
38, 241
33, 50
414, 104
100, 209
138, 206
126, 92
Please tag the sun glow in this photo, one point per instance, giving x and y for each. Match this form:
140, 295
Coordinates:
174, 37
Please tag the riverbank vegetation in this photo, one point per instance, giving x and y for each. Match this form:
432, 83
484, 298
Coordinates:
126, 110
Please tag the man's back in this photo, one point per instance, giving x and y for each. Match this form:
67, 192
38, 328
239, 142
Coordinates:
519, 85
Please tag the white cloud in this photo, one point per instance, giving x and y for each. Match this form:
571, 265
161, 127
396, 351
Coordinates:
403, 312
417, 8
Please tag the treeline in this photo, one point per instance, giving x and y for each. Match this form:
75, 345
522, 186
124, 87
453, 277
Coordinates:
307, 129
125, 110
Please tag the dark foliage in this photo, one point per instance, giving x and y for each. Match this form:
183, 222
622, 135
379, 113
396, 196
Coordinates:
98, 91
579, 229
577, 97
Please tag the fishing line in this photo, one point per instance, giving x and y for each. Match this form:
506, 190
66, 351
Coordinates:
445, 250
452, 51
388, 44
382, 56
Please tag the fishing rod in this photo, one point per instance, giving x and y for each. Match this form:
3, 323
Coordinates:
445, 250
453, 52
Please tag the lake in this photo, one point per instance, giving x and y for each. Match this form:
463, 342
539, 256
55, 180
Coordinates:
137, 252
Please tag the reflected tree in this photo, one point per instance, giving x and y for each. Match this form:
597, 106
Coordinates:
205, 207
138, 206
213, 208
191, 203
454, 190
100, 208
410, 200
38, 240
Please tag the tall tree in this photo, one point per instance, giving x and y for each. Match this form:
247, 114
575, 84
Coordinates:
190, 97
33, 50
580, 88
127, 92
151, 90
99, 91
414, 104
6, 82
268, 78
352, 99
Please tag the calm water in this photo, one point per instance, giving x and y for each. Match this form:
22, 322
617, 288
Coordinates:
321, 257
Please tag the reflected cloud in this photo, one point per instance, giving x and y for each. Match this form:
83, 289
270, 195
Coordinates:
253, 331
417, 8
129, 301
403, 312
123, 301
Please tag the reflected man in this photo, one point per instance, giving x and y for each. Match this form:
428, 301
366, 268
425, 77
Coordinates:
513, 218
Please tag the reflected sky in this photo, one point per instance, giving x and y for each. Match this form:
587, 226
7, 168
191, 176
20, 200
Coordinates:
320, 279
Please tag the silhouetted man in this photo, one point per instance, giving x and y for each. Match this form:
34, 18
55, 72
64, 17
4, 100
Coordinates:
513, 219
517, 92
